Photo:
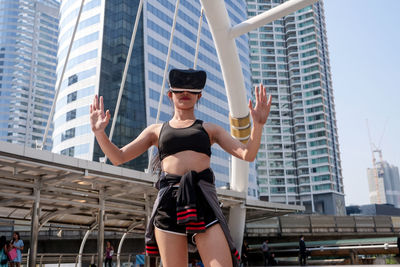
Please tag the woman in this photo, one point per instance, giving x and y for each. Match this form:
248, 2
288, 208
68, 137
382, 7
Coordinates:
187, 203
245, 254
18, 244
109, 253
3, 252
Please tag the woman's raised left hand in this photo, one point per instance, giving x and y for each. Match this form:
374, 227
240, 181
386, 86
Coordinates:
261, 110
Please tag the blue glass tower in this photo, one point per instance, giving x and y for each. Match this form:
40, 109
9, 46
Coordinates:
28, 48
103, 39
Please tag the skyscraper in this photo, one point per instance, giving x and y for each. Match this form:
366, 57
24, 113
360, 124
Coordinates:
298, 162
384, 184
28, 58
96, 66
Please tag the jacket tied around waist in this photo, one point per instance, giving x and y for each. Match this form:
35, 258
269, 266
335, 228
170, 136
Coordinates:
195, 189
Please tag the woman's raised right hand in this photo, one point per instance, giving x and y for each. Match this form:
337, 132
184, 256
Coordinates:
98, 119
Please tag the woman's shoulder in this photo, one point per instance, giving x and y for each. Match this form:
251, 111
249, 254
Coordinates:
156, 127
212, 127
213, 130
153, 130
18, 243
209, 124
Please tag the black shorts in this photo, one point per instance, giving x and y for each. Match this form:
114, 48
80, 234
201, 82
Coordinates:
165, 218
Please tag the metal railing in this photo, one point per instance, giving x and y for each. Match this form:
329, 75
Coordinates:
327, 225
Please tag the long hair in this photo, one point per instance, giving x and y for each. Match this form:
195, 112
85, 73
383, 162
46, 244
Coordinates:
3, 242
155, 165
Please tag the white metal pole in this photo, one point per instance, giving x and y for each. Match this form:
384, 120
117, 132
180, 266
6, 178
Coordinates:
268, 16
198, 39
35, 224
219, 24
223, 35
128, 60
100, 232
171, 38
53, 106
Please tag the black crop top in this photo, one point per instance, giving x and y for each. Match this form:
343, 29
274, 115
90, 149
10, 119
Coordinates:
174, 140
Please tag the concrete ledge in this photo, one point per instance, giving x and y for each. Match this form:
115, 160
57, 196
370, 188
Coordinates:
65, 160
270, 205
15, 149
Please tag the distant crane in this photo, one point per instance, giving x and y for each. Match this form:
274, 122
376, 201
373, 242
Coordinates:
377, 172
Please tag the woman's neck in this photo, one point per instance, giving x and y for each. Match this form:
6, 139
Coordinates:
184, 115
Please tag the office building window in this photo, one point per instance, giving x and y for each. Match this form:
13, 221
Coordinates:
72, 79
72, 97
71, 115
70, 133
68, 151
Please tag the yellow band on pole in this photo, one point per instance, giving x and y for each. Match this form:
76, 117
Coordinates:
241, 133
240, 128
239, 122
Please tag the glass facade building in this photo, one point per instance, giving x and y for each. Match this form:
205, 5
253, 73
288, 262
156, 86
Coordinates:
28, 59
72, 135
299, 160
97, 62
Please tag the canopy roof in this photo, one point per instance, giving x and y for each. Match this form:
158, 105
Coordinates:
70, 189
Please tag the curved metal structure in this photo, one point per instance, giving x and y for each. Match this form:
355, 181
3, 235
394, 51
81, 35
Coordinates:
223, 35
83, 244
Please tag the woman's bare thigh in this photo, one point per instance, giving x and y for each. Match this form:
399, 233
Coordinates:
173, 249
213, 247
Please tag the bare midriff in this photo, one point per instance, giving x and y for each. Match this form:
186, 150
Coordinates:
184, 161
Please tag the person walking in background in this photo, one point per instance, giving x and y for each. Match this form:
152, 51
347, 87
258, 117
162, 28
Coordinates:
302, 251
18, 245
272, 261
245, 254
109, 253
398, 245
3, 252
265, 250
